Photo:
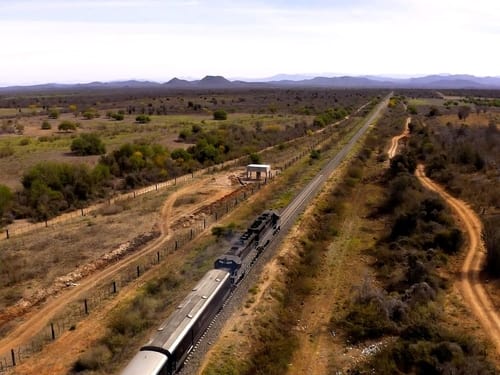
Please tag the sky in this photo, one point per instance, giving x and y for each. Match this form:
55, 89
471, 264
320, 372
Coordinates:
106, 40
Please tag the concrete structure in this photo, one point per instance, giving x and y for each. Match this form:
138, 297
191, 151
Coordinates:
259, 169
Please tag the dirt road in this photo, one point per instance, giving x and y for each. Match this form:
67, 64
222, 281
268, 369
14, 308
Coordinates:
469, 284
395, 140
39, 318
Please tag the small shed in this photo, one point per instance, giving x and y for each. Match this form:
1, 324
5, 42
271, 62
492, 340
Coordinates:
259, 169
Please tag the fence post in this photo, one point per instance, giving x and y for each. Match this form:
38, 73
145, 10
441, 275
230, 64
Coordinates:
7, 233
204, 223
13, 355
52, 331
82, 211
86, 306
175, 180
176, 244
191, 234
158, 256
114, 287
138, 271
46, 224
134, 193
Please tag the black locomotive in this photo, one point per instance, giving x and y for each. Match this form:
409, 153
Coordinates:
165, 353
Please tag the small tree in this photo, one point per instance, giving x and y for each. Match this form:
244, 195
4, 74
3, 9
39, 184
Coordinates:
6, 197
220, 115
463, 112
67, 126
491, 238
255, 158
143, 119
88, 144
54, 113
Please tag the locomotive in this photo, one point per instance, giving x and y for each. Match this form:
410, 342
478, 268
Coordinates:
167, 350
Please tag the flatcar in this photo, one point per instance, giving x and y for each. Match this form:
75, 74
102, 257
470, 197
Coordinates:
165, 353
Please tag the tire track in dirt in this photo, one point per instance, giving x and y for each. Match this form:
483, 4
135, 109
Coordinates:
37, 320
469, 283
395, 140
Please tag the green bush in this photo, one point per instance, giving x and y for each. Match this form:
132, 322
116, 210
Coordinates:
88, 144
491, 238
46, 125
142, 119
67, 126
220, 115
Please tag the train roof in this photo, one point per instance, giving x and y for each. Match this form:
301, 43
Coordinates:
173, 330
145, 362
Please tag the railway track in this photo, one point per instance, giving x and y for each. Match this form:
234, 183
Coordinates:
288, 217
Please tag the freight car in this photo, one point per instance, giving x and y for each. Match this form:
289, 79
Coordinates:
165, 353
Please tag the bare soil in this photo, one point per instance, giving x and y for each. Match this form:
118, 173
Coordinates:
395, 140
469, 282
211, 188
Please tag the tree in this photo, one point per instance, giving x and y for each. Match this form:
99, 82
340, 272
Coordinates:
491, 238
143, 119
434, 111
54, 113
463, 112
67, 126
6, 197
88, 144
220, 114
255, 158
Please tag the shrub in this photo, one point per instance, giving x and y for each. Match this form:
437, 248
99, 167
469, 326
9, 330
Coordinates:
142, 119
54, 113
88, 144
255, 158
6, 151
46, 125
220, 115
24, 142
491, 237
315, 154
67, 126
6, 197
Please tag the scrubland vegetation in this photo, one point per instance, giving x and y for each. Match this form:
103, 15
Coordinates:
48, 189
406, 301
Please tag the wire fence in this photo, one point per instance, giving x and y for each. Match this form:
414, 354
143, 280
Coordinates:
81, 308
9, 232
101, 294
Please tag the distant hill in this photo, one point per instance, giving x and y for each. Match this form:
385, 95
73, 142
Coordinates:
442, 81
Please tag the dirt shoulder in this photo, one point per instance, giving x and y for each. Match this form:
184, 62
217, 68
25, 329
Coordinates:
469, 282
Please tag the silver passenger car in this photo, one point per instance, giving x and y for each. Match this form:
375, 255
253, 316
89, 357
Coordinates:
178, 334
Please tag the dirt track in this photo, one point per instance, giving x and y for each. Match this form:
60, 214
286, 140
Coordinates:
36, 320
395, 140
469, 284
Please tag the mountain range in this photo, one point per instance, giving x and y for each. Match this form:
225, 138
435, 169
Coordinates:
441, 81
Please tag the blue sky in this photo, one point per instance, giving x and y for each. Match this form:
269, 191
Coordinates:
88, 40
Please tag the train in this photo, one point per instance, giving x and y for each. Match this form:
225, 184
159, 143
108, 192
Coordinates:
175, 338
